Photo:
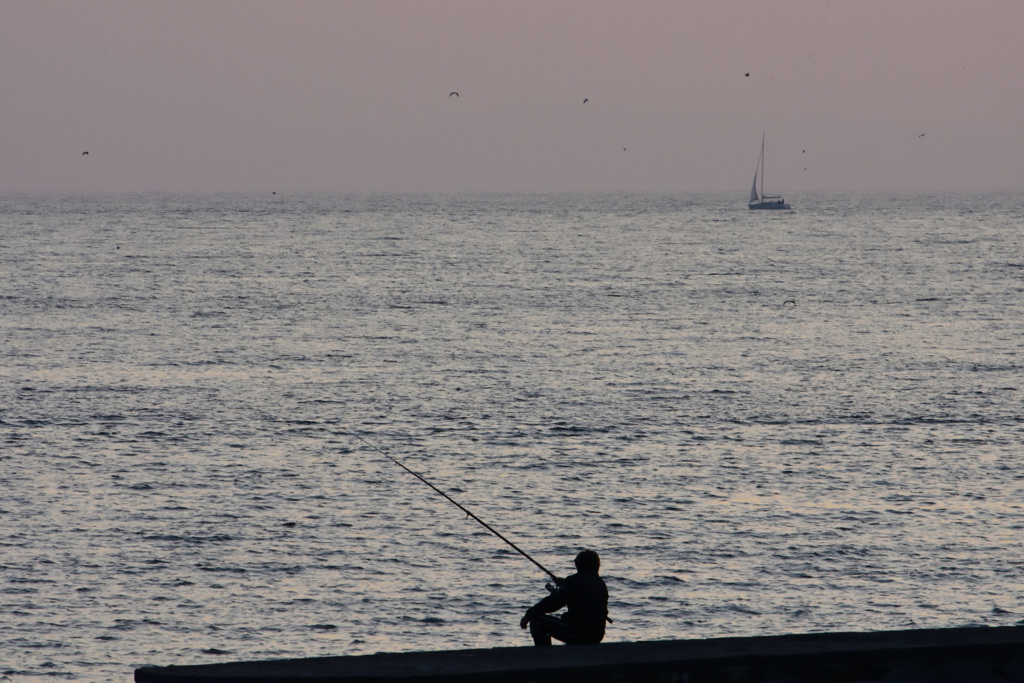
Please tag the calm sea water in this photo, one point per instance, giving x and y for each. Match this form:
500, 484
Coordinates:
765, 423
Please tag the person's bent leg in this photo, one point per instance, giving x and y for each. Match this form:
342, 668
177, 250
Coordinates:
539, 629
546, 627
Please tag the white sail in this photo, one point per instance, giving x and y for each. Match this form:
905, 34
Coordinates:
753, 189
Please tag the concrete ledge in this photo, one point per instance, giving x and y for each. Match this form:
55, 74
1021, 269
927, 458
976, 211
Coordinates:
971, 655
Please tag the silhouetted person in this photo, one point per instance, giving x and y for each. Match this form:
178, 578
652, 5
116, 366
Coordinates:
586, 596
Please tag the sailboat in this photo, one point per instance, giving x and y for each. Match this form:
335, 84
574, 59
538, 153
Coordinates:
764, 201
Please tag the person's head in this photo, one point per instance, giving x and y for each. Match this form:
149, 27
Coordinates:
587, 561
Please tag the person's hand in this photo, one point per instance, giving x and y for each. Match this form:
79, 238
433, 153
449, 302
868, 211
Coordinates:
524, 622
554, 587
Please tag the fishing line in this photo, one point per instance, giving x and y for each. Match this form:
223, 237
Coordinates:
453, 502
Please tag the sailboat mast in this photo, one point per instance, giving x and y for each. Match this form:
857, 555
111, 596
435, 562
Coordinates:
762, 167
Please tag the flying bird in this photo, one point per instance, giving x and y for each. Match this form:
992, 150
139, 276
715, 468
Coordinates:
453, 93
921, 135
85, 154
747, 75
585, 100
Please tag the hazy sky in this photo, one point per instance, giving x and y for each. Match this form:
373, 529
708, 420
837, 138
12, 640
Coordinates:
261, 95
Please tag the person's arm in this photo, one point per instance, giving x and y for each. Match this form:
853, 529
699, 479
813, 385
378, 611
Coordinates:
554, 601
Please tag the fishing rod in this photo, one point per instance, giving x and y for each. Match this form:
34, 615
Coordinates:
455, 503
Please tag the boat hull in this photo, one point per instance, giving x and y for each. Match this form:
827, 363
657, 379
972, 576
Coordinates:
768, 206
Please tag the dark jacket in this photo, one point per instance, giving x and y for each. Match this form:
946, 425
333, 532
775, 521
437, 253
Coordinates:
586, 596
